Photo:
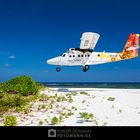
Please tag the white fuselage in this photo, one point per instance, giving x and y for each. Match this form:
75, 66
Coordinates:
78, 58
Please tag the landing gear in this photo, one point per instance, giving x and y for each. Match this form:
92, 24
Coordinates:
58, 69
85, 68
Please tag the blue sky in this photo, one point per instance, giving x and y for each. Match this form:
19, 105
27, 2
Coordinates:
36, 30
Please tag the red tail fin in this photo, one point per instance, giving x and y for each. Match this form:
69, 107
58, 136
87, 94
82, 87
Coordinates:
131, 47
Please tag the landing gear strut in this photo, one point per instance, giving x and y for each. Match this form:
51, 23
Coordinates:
85, 68
58, 69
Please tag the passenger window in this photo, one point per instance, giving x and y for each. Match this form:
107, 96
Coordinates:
98, 54
88, 55
81, 55
73, 55
69, 55
78, 55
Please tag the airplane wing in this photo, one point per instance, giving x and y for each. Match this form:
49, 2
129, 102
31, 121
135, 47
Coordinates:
89, 40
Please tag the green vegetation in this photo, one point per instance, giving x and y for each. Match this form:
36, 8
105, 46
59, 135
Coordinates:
69, 113
83, 101
41, 86
96, 122
10, 121
51, 106
74, 93
105, 123
1, 114
86, 115
23, 85
46, 120
55, 120
66, 114
17, 93
70, 100
111, 99
64, 98
64, 108
74, 108
27, 110
120, 110
60, 118
43, 106
12, 101
15, 101
84, 93
61, 98
43, 97
40, 123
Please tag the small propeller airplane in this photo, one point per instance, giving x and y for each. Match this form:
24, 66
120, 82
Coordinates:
84, 56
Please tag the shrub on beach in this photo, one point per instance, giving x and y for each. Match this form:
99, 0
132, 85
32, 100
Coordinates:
55, 120
14, 93
86, 115
10, 121
74, 108
43, 97
111, 99
70, 100
12, 101
41, 86
84, 93
40, 122
23, 85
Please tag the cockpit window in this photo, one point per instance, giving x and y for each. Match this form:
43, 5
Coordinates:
63, 55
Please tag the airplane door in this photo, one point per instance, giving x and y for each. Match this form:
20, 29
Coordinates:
85, 58
71, 58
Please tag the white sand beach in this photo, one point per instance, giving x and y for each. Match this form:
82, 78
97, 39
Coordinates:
109, 107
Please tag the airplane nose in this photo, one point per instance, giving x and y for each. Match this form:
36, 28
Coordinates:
53, 61
50, 61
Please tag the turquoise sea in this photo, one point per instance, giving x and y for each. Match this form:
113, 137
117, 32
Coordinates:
92, 85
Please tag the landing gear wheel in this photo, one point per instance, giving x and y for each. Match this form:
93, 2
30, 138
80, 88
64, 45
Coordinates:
84, 69
58, 69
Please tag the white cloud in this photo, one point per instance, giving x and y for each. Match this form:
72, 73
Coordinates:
11, 57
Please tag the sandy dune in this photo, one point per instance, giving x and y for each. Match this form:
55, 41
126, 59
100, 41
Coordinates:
109, 107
